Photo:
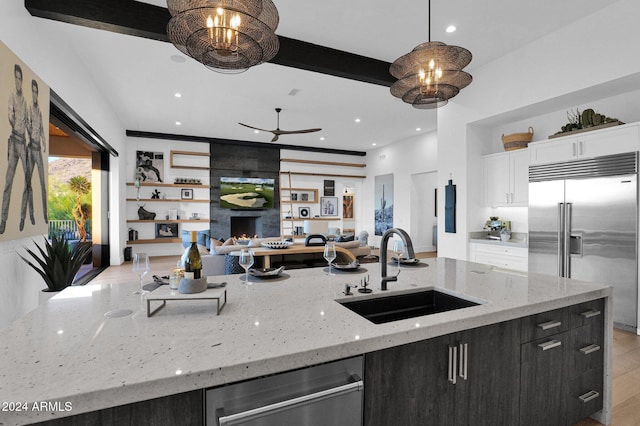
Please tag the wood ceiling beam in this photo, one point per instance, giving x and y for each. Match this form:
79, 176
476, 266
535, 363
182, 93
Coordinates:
145, 20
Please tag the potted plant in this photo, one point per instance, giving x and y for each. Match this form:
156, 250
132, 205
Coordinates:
58, 263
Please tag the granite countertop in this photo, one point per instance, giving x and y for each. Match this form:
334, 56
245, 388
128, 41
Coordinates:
68, 351
518, 239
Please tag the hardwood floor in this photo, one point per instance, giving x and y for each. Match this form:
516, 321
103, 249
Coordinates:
626, 347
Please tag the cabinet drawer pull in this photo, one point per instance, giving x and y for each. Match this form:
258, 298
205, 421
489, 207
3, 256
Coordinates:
549, 325
464, 352
589, 349
550, 344
590, 313
591, 395
453, 360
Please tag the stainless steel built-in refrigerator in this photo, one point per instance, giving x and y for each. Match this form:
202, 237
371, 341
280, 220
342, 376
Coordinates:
583, 218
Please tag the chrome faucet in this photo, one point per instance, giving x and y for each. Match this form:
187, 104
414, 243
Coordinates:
383, 253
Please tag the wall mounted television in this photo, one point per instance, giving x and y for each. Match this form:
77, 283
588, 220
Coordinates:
246, 193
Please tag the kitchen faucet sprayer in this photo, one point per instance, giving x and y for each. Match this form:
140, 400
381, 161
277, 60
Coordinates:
383, 253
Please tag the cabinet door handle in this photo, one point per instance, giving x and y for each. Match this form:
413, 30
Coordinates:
591, 395
590, 349
590, 313
506, 197
453, 366
464, 354
581, 147
573, 145
549, 325
549, 345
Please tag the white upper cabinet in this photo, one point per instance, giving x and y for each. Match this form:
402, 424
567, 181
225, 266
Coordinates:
608, 141
506, 179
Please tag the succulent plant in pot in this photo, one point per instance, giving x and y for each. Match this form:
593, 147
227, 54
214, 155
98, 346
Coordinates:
57, 263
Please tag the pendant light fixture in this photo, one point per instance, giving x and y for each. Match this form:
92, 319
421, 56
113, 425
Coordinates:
227, 36
431, 73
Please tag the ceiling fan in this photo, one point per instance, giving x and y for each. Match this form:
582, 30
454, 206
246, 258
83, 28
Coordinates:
277, 132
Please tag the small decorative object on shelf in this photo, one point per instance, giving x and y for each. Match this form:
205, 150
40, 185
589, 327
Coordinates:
145, 214
584, 121
133, 234
190, 181
517, 140
155, 195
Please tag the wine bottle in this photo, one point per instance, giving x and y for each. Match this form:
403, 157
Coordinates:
191, 259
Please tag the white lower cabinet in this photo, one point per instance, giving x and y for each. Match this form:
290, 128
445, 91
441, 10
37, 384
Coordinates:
501, 256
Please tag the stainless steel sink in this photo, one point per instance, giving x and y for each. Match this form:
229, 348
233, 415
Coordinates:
407, 305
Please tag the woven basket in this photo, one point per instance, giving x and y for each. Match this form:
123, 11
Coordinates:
517, 140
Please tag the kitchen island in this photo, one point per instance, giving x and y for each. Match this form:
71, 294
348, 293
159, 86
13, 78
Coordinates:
69, 353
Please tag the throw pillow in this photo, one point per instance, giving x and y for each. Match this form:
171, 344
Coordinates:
230, 242
215, 243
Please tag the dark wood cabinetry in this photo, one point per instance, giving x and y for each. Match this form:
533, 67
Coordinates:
464, 378
545, 369
562, 372
182, 409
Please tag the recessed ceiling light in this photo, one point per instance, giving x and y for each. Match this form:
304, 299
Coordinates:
256, 131
451, 28
357, 120
373, 144
418, 129
177, 95
321, 138
178, 123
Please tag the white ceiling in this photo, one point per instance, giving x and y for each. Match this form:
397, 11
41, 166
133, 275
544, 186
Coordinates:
139, 78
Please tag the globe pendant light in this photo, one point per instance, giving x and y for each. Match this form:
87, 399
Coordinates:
227, 36
431, 73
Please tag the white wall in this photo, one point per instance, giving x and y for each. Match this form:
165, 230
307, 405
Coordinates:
404, 159
535, 85
52, 59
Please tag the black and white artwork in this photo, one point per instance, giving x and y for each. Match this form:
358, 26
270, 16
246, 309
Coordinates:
24, 144
328, 206
383, 212
149, 166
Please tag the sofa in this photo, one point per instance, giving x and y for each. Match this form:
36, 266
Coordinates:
216, 261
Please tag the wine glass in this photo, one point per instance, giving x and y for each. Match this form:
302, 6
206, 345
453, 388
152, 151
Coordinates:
246, 261
141, 267
398, 249
329, 254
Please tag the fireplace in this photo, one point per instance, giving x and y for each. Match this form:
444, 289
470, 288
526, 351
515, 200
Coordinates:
247, 226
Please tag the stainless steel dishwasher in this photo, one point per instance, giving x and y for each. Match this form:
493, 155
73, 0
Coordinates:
326, 394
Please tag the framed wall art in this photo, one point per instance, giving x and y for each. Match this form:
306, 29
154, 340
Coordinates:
347, 206
328, 206
186, 194
166, 230
149, 166
304, 212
